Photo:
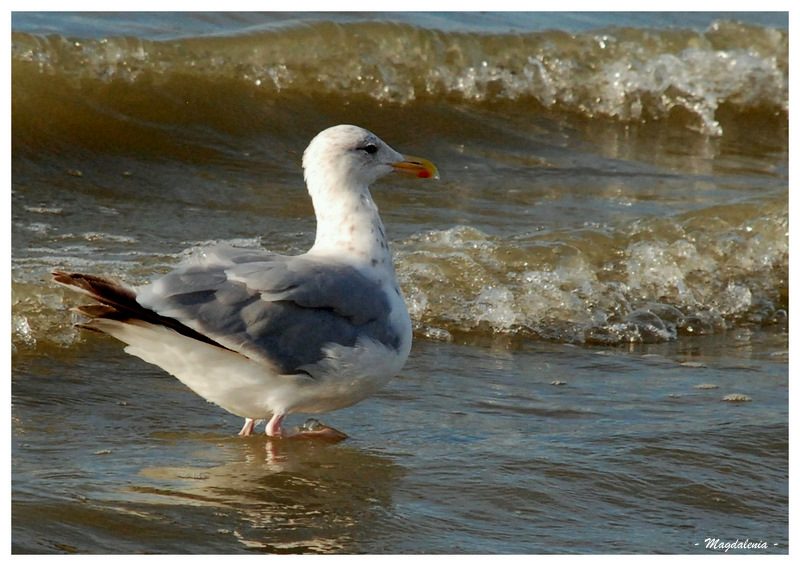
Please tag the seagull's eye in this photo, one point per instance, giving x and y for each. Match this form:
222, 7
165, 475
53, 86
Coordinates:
370, 148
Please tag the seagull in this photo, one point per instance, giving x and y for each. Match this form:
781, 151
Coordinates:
264, 335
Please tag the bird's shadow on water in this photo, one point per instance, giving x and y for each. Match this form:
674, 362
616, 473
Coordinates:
278, 495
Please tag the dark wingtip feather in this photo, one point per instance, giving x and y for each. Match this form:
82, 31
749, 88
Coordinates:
118, 302
101, 289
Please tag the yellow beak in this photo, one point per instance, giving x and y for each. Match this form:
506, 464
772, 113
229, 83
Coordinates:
416, 166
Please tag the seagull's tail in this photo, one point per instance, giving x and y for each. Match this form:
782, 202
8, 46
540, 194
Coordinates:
118, 303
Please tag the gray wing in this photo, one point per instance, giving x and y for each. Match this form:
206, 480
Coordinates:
279, 309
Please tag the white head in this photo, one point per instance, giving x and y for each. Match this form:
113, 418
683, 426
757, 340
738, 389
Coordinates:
353, 158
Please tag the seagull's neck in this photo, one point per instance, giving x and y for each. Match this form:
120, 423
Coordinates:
349, 228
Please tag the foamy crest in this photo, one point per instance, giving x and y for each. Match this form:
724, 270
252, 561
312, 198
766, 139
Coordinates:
669, 280
624, 74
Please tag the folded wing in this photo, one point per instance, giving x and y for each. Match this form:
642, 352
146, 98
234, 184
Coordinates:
278, 309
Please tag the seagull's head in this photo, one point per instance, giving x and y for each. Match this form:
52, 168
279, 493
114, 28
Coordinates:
353, 158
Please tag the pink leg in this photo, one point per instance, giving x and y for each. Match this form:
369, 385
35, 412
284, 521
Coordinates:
247, 429
274, 427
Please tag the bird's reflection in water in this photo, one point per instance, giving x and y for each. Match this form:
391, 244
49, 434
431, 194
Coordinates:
293, 495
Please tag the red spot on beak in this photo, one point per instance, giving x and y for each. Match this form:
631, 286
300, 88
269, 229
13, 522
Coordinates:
423, 175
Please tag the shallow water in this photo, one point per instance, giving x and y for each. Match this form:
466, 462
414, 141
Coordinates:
543, 449
598, 283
